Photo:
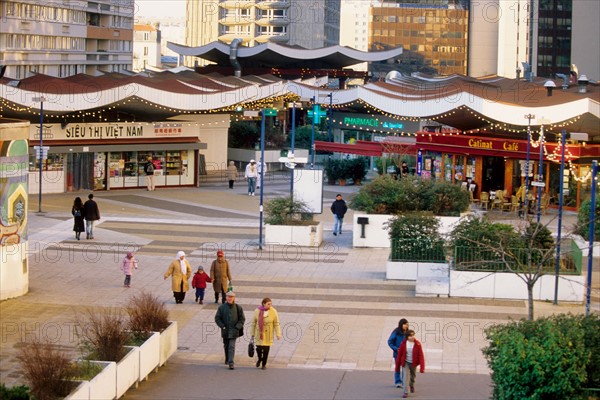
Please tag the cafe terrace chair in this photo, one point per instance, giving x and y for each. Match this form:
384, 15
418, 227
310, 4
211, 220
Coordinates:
472, 199
485, 200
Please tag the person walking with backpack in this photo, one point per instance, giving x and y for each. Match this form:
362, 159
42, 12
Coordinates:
77, 211
149, 171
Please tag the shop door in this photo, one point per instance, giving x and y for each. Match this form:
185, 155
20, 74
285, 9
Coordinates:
80, 171
493, 174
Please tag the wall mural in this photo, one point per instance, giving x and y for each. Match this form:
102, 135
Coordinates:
14, 168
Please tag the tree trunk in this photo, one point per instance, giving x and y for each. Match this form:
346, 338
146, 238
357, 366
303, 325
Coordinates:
530, 301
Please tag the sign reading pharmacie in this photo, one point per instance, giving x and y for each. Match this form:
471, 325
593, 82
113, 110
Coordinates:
370, 122
485, 146
113, 130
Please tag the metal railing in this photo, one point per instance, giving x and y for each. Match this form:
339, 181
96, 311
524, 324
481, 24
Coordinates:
468, 258
418, 250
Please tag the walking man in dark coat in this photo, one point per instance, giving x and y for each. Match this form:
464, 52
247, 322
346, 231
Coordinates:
230, 319
338, 208
91, 213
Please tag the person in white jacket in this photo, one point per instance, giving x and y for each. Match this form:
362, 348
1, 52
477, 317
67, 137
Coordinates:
263, 166
251, 175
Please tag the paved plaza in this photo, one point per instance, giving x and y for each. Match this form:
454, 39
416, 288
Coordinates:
335, 305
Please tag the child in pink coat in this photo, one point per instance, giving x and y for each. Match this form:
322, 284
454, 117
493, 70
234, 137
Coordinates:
129, 264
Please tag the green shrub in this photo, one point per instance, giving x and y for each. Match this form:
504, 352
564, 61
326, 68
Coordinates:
20, 392
287, 211
333, 169
415, 237
385, 195
543, 359
357, 168
583, 219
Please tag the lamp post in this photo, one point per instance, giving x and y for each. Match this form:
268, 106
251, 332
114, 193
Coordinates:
262, 157
330, 133
293, 141
563, 143
529, 117
312, 134
40, 154
591, 238
540, 174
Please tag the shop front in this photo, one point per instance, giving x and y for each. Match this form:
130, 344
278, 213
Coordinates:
112, 156
500, 164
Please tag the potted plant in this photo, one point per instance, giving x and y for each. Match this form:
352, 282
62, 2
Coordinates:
290, 221
358, 170
333, 170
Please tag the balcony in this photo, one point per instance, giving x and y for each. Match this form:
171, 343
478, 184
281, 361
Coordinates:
275, 38
236, 4
236, 20
273, 21
273, 4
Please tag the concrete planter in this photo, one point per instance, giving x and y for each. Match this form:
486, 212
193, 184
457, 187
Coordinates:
378, 237
81, 392
168, 343
306, 236
506, 285
128, 370
149, 355
104, 385
411, 270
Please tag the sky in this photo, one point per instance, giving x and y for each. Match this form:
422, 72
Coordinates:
160, 8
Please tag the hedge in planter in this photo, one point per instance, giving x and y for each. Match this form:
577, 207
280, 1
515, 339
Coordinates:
583, 220
549, 358
287, 211
385, 195
415, 237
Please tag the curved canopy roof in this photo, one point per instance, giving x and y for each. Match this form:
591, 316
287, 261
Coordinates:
273, 55
490, 104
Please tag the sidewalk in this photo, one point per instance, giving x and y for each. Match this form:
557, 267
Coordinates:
337, 309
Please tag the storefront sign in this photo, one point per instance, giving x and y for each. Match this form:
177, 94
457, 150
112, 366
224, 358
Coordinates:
118, 130
371, 123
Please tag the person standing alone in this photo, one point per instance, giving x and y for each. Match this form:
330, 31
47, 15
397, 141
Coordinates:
338, 208
149, 171
91, 213
230, 319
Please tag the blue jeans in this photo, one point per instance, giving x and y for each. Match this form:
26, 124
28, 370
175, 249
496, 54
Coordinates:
337, 224
89, 229
200, 293
251, 185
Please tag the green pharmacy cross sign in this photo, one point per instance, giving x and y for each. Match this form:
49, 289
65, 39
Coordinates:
316, 113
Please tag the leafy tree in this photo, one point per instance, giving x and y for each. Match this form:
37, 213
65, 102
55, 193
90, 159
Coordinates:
548, 358
246, 134
302, 137
583, 219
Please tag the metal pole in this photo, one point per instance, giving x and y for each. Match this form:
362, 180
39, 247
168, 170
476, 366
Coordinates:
330, 95
529, 117
591, 237
312, 136
540, 174
40, 155
563, 142
262, 157
293, 142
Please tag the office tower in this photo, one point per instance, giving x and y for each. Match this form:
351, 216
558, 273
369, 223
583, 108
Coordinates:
65, 38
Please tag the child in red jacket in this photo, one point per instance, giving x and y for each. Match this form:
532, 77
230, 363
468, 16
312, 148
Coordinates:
410, 356
199, 282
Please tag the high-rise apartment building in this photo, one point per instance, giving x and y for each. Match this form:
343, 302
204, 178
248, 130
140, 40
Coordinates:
309, 24
65, 38
433, 33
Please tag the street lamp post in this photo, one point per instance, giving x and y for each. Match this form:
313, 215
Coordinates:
330, 135
540, 174
563, 143
529, 117
292, 146
40, 154
591, 237
312, 134
262, 157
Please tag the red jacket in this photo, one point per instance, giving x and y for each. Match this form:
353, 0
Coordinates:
200, 279
418, 358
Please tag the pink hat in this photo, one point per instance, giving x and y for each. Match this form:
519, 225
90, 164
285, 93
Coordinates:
220, 253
